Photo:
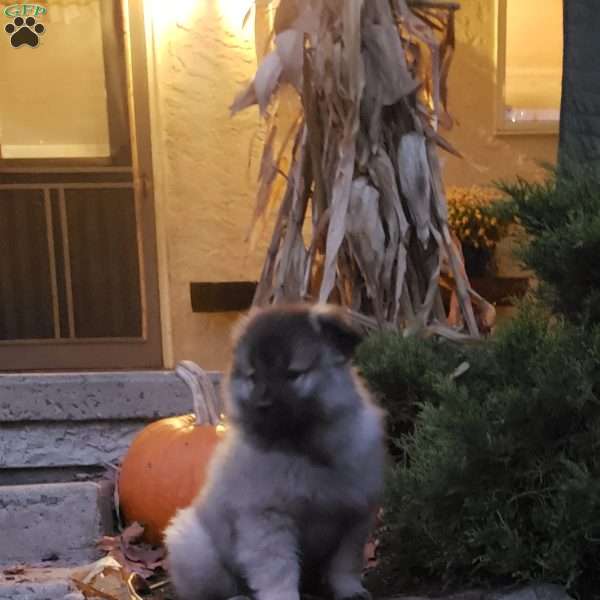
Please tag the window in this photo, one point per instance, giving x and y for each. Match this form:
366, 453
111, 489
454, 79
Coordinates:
60, 99
530, 44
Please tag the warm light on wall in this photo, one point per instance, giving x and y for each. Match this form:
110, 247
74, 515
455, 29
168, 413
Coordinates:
233, 13
166, 15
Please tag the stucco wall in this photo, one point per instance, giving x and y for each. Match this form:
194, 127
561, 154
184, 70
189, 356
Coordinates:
202, 59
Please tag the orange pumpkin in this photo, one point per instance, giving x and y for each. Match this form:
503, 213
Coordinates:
165, 466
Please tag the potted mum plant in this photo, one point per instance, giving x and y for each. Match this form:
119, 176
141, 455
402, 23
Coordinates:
474, 220
480, 218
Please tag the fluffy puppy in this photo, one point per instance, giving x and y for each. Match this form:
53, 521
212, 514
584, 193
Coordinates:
292, 491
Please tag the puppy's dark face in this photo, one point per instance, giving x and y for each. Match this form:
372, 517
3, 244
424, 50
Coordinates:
283, 360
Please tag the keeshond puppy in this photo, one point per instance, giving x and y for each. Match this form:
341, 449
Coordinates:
293, 490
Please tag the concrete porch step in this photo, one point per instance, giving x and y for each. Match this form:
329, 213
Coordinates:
58, 432
124, 395
79, 420
40, 583
57, 524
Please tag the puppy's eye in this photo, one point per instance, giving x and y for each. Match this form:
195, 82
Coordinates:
293, 374
245, 374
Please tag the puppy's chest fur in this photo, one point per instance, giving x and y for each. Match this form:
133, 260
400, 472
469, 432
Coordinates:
324, 502
319, 498
293, 482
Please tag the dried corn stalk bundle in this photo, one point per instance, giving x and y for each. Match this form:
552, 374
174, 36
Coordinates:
362, 218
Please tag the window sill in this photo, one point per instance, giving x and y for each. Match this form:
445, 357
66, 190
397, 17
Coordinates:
527, 129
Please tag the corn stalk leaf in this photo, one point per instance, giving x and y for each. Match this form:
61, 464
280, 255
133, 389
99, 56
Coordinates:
416, 181
362, 217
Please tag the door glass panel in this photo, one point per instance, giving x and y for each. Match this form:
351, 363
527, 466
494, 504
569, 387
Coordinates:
53, 102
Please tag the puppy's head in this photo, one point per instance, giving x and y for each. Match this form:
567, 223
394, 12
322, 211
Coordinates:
286, 360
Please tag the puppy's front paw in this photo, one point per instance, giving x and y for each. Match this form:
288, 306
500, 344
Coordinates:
349, 588
362, 595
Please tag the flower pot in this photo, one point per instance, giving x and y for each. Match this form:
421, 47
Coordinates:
479, 262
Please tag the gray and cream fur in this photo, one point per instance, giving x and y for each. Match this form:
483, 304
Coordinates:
292, 491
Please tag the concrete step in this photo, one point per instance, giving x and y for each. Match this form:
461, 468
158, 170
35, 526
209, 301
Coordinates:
57, 434
50, 421
122, 395
40, 583
54, 523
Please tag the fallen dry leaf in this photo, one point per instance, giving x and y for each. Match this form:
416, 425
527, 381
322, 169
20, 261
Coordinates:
106, 579
16, 570
86, 574
133, 555
132, 533
90, 591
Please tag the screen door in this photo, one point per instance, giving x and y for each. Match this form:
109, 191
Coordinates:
78, 283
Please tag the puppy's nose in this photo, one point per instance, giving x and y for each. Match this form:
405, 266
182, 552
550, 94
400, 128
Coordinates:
264, 403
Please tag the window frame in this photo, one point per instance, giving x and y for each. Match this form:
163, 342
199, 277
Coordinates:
501, 125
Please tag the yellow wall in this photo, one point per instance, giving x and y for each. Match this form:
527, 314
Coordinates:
205, 195
205, 190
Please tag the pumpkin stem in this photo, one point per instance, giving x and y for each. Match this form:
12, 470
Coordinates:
203, 392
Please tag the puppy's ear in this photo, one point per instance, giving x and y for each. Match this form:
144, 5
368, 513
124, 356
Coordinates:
333, 324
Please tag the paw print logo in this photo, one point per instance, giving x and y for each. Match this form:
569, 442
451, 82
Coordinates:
24, 32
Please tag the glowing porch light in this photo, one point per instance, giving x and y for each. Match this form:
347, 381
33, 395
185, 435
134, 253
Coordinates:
166, 14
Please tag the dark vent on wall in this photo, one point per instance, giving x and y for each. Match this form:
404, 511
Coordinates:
229, 296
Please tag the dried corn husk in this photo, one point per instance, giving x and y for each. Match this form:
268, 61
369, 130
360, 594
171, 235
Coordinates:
364, 173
